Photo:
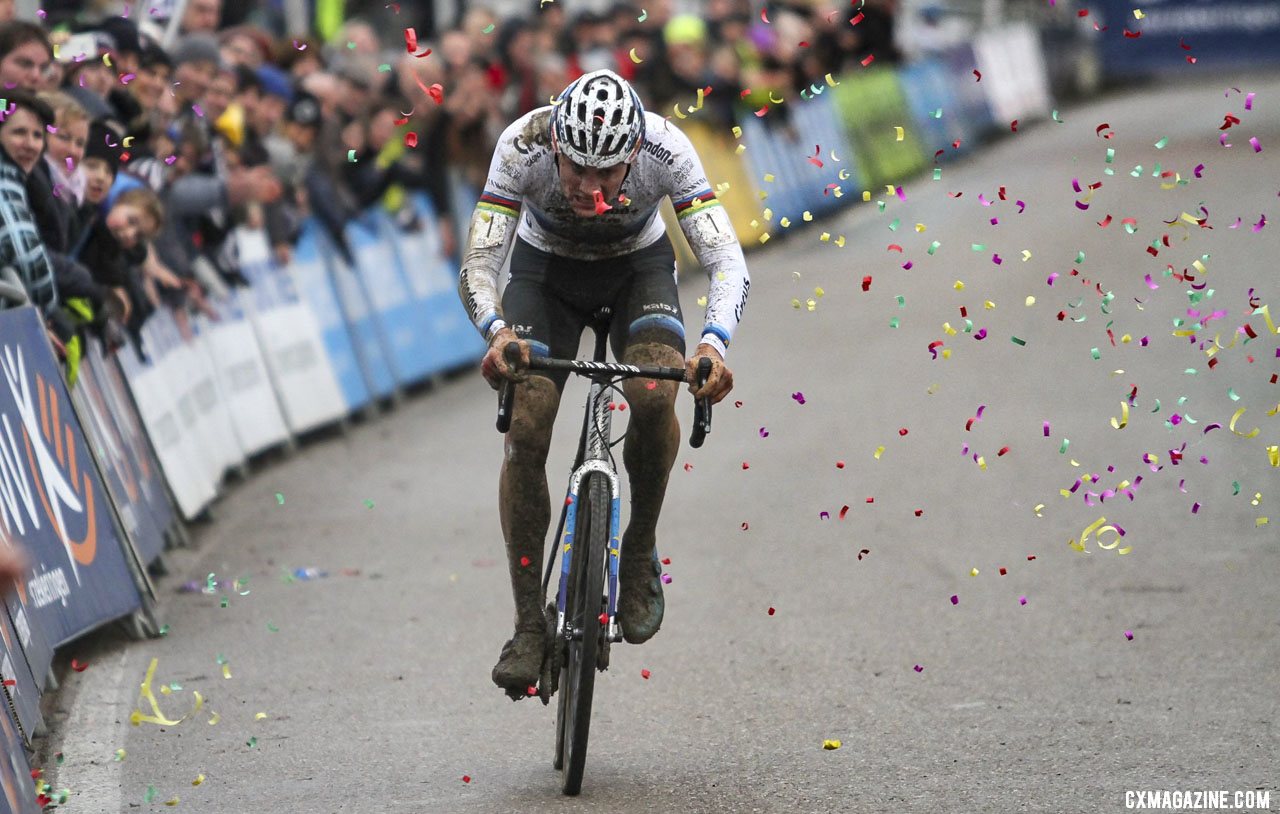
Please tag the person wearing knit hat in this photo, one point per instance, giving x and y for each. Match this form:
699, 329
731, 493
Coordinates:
101, 160
196, 60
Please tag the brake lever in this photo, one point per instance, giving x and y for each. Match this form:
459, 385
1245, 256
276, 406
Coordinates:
702, 408
507, 393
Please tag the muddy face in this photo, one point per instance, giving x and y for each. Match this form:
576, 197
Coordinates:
581, 185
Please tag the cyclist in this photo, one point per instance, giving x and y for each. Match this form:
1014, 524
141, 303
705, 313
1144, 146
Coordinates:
576, 187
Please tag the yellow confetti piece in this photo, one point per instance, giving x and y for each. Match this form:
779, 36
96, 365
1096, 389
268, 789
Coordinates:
973, 572
785, 222
982, 463
676, 108
702, 302
772, 100
214, 718
807, 216
812, 305
795, 303
120, 753
899, 133
1261, 521
879, 451
840, 241
737, 131
1124, 417
106, 60
226, 671
946, 326
825, 237
158, 717
959, 285
1026, 255
1137, 14
819, 292
989, 305
866, 195
768, 214
740, 149
1030, 301
259, 716
889, 189
768, 178
1039, 507
199, 779
920, 227
830, 744
172, 801
764, 238
844, 174
1273, 455
1235, 418
833, 83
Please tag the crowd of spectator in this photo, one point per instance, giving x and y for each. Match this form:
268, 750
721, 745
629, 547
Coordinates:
129, 153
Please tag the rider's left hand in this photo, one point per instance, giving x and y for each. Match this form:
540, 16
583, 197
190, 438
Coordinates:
718, 384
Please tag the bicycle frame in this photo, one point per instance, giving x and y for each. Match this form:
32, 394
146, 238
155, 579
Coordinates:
593, 456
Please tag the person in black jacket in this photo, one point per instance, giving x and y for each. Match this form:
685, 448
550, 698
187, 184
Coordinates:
22, 134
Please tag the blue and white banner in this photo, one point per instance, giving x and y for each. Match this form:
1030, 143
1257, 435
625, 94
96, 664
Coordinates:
1215, 33
21, 689
51, 500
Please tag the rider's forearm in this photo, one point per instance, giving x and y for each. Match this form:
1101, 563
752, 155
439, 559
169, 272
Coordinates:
727, 296
488, 241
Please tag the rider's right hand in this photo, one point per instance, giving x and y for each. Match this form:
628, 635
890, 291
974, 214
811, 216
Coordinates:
494, 366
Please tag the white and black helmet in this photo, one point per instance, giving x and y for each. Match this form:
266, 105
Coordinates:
598, 120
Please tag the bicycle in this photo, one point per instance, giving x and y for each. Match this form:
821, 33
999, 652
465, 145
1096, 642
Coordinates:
582, 623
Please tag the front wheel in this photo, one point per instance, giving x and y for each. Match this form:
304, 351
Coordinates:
582, 615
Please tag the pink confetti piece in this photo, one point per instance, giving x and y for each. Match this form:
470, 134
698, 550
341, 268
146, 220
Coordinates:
918, 668
824, 515
1199, 170
666, 579
1128, 634
764, 433
955, 599
1257, 227
1257, 147
798, 396
1046, 429
198, 110
1248, 101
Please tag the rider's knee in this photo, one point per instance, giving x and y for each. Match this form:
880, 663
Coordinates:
651, 402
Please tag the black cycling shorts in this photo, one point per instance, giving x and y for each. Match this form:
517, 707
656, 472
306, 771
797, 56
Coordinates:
549, 300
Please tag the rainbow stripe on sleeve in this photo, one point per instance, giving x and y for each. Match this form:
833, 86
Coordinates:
492, 202
695, 203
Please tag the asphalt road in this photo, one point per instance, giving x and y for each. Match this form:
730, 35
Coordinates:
946, 692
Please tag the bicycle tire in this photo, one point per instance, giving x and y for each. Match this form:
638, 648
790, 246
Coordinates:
586, 587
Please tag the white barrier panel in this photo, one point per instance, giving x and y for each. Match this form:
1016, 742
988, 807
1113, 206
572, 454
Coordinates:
1013, 72
242, 381
288, 332
214, 422
157, 408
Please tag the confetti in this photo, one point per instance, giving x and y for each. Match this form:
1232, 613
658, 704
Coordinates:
279, 499
644, 673
830, 745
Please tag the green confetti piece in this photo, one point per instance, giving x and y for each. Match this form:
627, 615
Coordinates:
937, 114
1191, 371
221, 659
272, 628
893, 322
351, 46
252, 742
62, 796
1182, 400
1235, 487
210, 583
880, 206
488, 29
368, 504
937, 173
978, 247
351, 156
1130, 228
60, 758
902, 301
1111, 154
1096, 355
968, 326
1020, 342
1160, 145
1056, 118
1156, 172
384, 67
164, 630
223, 602
1157, 407
1080, 257
644, 15
933, 247
893, 227
150, 795
1231, 394
119, 757
1066, 442
279, 499
175, 686
1108, 171
1137, 171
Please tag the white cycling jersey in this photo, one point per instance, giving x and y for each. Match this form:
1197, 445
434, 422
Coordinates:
522, 196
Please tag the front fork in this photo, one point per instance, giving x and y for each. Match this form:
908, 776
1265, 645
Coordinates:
566, 548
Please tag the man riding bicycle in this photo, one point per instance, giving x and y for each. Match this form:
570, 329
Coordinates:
576, 186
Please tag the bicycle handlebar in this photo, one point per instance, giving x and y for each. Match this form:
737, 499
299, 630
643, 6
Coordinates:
611, 370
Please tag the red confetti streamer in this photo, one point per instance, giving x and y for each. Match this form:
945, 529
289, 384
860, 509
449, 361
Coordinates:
844, 511
978, 74
839, 464
746, 465
864, 552
866, 281
902, 431
1132, 35
410, 43
894, 247
857, 18
771, 611
411, 140
645, 674
78, 666
466, 778
764, 16
870, 59
760, 113
1013, 125
524, 562
601, 205
813, 159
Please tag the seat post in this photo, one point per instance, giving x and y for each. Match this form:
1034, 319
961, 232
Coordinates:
601, 326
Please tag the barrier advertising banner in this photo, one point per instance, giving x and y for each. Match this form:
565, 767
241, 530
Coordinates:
21, 690
122, 474
311, 273
1215, 33
873, 109
17, 789
51, 500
